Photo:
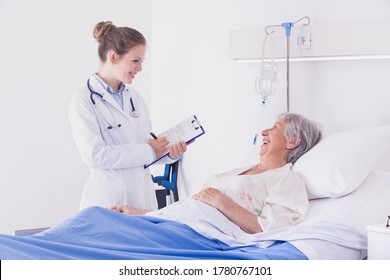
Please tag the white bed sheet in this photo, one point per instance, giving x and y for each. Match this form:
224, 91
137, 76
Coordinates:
324, 239
311, 238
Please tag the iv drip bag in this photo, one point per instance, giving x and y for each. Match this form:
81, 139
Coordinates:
265, 83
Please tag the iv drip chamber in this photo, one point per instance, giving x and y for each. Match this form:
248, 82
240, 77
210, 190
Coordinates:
266, 82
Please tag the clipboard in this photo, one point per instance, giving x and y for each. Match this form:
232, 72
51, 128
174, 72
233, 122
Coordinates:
186, 131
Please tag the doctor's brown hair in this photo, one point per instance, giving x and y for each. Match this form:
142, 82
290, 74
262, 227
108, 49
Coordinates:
118, 39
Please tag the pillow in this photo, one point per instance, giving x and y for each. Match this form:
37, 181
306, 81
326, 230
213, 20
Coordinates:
368, 205
384, 163
340, 162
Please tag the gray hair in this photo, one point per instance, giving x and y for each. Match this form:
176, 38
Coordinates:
298, 127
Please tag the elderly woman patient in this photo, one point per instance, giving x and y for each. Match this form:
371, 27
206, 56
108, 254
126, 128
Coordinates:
258, 198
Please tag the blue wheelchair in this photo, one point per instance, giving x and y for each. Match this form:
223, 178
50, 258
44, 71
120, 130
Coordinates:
169, 182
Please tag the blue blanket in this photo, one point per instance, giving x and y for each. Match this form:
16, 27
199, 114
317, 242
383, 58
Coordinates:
98, 233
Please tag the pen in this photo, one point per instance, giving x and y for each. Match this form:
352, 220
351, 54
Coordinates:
153, 135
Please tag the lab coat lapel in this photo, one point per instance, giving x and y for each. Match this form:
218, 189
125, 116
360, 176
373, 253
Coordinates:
110, 100
107, 97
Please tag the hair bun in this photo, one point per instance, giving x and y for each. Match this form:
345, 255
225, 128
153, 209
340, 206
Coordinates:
101, 29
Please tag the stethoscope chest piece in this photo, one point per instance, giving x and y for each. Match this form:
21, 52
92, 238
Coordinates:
134, 114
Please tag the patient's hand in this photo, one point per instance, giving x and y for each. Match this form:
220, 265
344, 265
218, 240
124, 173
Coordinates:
212, 197
125, 209
239, 215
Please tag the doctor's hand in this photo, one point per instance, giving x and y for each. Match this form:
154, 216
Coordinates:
177, 149
159, 146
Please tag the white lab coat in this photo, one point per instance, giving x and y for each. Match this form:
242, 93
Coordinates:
116, 157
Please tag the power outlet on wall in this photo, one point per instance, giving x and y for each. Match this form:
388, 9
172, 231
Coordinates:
302, 41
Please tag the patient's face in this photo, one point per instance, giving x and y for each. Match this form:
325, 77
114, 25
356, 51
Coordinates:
274, 141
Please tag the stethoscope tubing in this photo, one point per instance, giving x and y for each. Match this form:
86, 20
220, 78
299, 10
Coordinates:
92, 92
133, 112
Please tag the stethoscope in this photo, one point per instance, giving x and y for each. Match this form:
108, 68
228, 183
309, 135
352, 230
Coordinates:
134, 113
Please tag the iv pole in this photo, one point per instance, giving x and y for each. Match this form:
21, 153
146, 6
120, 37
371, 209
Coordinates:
287, 28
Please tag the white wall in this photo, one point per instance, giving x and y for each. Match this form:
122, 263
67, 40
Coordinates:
192, 74
47, 53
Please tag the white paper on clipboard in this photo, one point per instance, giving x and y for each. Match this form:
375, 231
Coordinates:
186, 131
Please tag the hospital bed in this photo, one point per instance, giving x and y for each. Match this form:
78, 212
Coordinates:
348, 181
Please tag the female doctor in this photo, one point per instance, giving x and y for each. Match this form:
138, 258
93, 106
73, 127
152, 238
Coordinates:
111, 125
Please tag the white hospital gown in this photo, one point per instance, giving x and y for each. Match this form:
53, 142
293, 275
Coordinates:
278, 197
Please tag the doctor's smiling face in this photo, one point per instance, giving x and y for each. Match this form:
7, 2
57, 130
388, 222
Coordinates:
125, 67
